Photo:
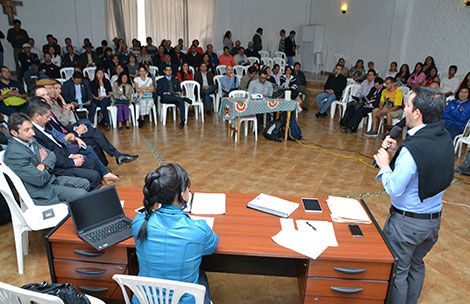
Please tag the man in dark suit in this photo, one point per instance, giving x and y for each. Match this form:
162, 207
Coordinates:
88, 58
169, 90
34, 165
70, 59
51, 42
167, 62
29, 64
67, 164
257, 40
206, 80
251, 52
193, 58
178, 57
77, 92
47, 69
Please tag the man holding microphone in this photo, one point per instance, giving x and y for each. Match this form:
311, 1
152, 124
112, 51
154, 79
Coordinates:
415, 179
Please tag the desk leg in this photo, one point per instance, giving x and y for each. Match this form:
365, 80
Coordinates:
229, 130
287, 127
238, 129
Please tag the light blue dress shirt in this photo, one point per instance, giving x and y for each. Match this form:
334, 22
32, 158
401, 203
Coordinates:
401, 184
78, 95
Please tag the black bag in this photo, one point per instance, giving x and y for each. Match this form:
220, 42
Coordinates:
274, 130
5, 215
66, 292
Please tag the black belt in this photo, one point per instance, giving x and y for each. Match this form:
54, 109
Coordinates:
422, 216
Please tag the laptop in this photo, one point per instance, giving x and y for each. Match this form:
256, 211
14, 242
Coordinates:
99, 218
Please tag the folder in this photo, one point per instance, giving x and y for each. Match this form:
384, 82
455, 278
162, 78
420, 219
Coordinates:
273, 205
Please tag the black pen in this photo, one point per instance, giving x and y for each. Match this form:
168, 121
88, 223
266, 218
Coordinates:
312, 226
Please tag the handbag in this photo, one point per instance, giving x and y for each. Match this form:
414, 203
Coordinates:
66, 292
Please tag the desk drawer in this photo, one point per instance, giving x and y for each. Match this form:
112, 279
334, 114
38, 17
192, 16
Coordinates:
326, 300
100, 289
349, 270
87, 271
78, 252
346, 288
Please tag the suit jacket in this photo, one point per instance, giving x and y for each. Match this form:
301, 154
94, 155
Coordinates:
289, 46
163, 85
23, 162
194, 60
83, 60
210, 78
68, 91
257, 42
27, 60
62, 155
70, 62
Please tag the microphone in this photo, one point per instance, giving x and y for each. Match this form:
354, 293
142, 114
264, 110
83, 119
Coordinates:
394, 133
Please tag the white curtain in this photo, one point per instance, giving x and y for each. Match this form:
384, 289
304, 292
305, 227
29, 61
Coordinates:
121, 19
174, 19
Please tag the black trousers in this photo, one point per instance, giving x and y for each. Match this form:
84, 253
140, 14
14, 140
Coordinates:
99, 142
179, 102
353, 115
88, 170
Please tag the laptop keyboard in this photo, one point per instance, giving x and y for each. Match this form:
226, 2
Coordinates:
108, 230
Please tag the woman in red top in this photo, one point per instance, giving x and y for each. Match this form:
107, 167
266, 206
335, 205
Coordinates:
432, 77
184, 73
226, 58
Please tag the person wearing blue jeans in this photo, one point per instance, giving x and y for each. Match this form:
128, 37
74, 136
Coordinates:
334, 87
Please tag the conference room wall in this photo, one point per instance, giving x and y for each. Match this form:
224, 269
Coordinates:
77, 19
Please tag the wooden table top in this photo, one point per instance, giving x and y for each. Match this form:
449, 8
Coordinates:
248, 232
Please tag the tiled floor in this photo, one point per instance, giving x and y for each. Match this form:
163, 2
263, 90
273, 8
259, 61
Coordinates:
215, 163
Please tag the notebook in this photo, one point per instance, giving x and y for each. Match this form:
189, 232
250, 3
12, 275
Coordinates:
273, 205
347, 210
207, 203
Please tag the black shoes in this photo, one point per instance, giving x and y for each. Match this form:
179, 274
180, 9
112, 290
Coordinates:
140, 122
318, 115
181, 125
125, 158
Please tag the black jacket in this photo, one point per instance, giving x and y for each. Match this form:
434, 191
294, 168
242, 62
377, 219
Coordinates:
289, 47
337, 84
194, 60
163, 85
61, 153
27, 60
210, 78
70, 62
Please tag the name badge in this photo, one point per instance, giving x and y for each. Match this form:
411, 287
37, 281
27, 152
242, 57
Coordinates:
49, 213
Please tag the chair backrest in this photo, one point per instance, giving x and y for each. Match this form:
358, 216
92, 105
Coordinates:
61, 80
280, 61
338, 56
240, 70
220, 69
191, 89
16, 295
191, 69
466, 130
279, 54
89, 72
151, 290
267, 61
239, 94
263, 54
153, 70
349, 91
217, 83
404, 89
350, 81
252, 60
66, 73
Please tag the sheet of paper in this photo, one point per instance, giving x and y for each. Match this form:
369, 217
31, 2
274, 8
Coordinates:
324, 228
347, 210
307, 243
209, 220
208, 203
287, 224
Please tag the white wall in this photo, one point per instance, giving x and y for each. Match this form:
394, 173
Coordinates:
77, 19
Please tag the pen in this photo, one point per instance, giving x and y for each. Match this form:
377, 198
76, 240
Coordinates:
313, 227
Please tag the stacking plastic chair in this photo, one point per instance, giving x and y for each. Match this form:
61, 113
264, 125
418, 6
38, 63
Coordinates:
218, 96
246, 119
27, 216
66, 73
264, 54
152, 290
163, 107
267, 61
240, 70
192, 90
349, 91
252, 60
15, 295
279, 54
89, 72
462, 139
153, 70
61, 80
280, 61
220, 69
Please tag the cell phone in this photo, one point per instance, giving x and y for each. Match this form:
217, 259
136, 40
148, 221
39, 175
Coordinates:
140, 210
311, 205
355, 230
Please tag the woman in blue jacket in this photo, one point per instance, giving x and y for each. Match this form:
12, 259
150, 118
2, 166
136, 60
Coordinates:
169, 244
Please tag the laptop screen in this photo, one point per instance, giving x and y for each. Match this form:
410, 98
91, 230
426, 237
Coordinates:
95, 207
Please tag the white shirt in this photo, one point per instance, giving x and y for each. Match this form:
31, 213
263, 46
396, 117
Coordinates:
205, 83
43, 131
449, 85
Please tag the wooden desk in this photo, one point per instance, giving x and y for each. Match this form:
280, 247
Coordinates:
359, 270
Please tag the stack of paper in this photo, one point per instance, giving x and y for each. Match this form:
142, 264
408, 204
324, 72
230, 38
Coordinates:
273, 205
347, 210
209, 220
310, 243
208, 203
324, 228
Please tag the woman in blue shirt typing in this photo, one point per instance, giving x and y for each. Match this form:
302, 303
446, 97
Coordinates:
169, 244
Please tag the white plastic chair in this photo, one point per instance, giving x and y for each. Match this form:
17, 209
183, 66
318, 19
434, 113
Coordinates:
191, 69
61, 80
405, 90
350, 81
27, 216
349, 91
219, 94
113, 115
89, 72
220, 69
319, 58
192, 90
66, 73
339, 56
245, 119
252, 60
15, 295
279, 54
153, 70
280, 61
163, 107
152, 290
240, 70
267, 61
462, 139
264, 54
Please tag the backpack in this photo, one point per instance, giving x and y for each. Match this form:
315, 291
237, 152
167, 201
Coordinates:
274, 130
295, 133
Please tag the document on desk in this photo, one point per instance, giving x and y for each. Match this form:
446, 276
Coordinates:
209, 220
273, 205
347, 210
307, 242
324, 228
208, 203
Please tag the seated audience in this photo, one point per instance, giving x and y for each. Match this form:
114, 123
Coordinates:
70, 58
107, 61
181, 45
144, 87
450, 84
34, 165
206, 79
51, 42
359, 109
366, 86
250, 51
210, 66
226, 58
333, 90
169, 244
178, 56
184, 73
77, 91
169, 90
132, 66
234, 50
457, 112
289, 82
102, 91
12, 94
122, 92
144, 57
301, 85
432, 77
229, 82
358, 68
275, 79
248, 77
159, 56
47, 69
117, 71
390, 106
196, 46
61, 110
193, 57
403, 75
466, 81
123, 54
428, 65
29, 64
55, 59
261, 86
88, 58
344, 70
418, 77
34, 49
151, 49
240, 58
213, 59
370, 65
102, 48
392, 71
135, 49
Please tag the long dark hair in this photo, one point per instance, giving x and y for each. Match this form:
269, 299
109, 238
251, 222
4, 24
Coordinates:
228, 34
163, 186
465, 82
